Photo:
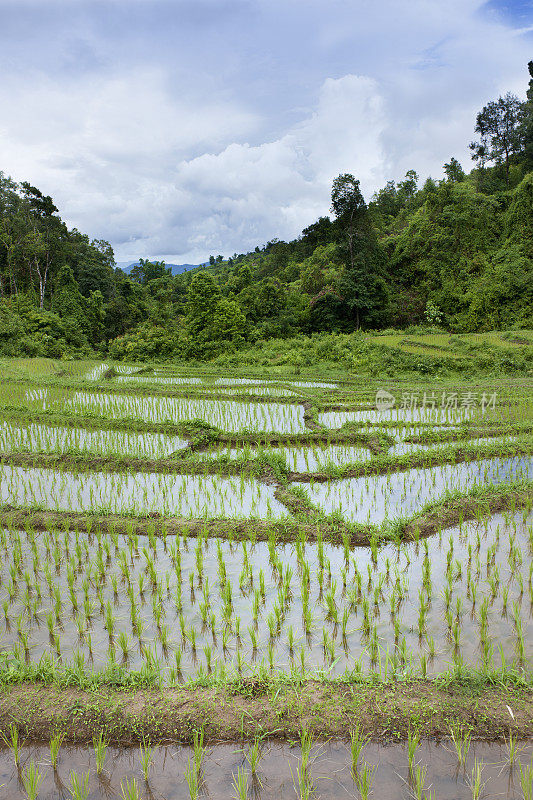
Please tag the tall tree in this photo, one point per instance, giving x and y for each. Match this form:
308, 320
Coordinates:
349, 207
454, 171
407, 188
499, 125
527, 125
362, 285
202, 300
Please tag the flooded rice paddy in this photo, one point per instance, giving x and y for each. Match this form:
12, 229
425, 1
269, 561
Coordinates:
386, 497
225, 414
403, 448
49, 439
198, 604
317, 458
164, 381
297, 459
369, 499
202, 604
336, 419
210, 606
138, 493
436, 772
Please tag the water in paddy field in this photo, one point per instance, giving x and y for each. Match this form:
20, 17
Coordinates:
370, 499
317, 458
158, 379
46, 438
252, 385
299, 384
329, 772
335, 419
377, 498
98, 372
265, 391
237, 381
402, 448
198, 604
227, 387
299, 459
225, 414
140, 493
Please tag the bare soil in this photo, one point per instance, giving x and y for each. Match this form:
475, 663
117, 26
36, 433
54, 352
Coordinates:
383, 711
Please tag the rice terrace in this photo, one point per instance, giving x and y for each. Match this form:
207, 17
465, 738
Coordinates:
275, 577
266, 400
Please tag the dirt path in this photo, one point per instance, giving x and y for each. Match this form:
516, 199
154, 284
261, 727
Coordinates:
330, 709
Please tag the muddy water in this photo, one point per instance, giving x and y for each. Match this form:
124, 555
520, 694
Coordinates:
330, 772
491, 559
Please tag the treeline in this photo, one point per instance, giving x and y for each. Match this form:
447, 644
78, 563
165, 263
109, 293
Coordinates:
455, 253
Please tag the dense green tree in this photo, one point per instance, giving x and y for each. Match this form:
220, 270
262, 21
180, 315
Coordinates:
92, 263
362, 285
270, 298
241, 278
527, 122
202, 301
320, 269
407, 188
386, 199
456, 252
328, 311
68, 301
321, 232
41, 205
11, 331
146, 271
229, 323
95, 316
500, 129
454, 171
126, 308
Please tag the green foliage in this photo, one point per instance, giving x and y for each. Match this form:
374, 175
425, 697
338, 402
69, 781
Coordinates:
148, 342
228, 322
147, 271
11, 331
457, 253
454, 171
432, 314
499, 125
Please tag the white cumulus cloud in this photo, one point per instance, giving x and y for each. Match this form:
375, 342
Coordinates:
184, 128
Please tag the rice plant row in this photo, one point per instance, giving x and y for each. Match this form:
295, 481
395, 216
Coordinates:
207, 606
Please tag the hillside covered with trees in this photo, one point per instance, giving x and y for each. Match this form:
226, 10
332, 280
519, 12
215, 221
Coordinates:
456, 253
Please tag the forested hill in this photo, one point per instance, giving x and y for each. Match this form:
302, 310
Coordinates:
175, 269
456, 253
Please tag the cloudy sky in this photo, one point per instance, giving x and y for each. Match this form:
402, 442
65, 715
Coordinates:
177, 129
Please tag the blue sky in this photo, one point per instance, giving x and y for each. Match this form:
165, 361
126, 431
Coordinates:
177, 129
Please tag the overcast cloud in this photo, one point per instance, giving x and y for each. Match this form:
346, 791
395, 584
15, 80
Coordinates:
178, 129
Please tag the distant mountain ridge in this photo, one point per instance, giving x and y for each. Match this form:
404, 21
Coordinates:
177, 269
